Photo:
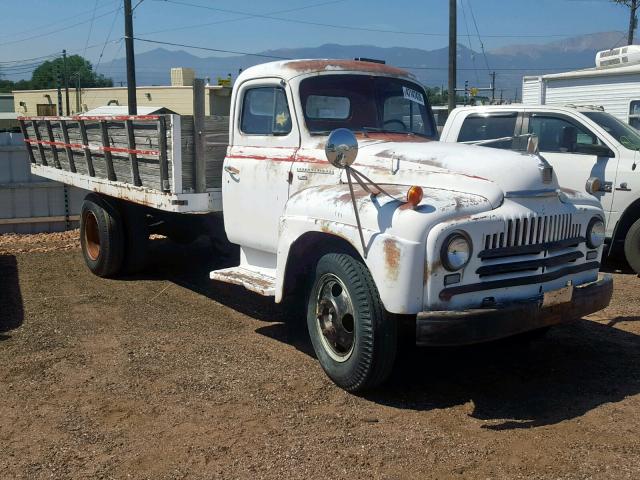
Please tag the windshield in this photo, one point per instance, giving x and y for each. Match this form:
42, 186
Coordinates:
628, 136
365, 103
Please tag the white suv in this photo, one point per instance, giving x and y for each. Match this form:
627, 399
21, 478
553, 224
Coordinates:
588, 148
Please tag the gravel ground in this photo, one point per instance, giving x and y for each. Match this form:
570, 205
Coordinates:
168, 375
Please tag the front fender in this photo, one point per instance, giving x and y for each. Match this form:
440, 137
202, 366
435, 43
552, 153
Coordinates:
394, 235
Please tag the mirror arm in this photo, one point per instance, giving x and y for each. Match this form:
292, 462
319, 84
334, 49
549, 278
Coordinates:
355, 210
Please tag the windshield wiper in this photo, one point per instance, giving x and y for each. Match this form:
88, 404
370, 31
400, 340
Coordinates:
384, 130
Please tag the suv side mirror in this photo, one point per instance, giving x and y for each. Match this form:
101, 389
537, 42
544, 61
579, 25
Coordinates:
597, 150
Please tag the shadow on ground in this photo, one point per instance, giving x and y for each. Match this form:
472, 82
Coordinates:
11, 308
512, 383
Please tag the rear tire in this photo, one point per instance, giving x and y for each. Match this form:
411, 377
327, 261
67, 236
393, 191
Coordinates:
101, 236
352, 337
632, 246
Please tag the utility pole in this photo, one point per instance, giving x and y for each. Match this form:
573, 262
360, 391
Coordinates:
66, 80
633, 20
59, 88
131, 66
78, 94
493, 87
453, 47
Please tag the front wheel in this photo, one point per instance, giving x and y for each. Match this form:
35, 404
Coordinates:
352, 337
632, 246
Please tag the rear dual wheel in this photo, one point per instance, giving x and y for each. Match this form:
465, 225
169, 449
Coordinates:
353, 339
101, 236
113, 236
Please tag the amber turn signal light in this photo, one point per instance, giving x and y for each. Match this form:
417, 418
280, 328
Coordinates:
414, 195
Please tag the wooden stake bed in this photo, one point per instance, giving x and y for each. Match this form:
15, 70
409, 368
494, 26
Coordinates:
147, 159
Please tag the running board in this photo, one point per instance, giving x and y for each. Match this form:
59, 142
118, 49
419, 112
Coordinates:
250, 279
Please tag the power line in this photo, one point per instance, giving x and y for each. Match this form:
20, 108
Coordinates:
218, 50
55, 31
473, 17
473, 56
27, 59
350, 27
95, 5
245, 17
515, 69
113, 22
49, 24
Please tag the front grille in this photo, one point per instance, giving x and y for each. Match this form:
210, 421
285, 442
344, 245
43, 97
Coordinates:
532, 230
530, 236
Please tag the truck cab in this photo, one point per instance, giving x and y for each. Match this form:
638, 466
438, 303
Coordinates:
590, 151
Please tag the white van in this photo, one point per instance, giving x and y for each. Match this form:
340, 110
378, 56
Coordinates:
613, 84
588, 148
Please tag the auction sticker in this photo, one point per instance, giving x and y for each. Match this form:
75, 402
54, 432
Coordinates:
413, 95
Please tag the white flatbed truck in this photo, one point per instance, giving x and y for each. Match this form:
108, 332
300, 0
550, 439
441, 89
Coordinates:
469, 244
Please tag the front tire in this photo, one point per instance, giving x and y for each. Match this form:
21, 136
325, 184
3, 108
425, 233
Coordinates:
353, 339
632, 246
101, 236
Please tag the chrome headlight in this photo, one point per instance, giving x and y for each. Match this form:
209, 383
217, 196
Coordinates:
456, 251
595, 232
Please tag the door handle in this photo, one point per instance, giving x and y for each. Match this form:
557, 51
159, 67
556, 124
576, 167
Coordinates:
231, 170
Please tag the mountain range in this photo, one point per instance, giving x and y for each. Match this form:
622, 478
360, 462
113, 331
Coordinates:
430, 66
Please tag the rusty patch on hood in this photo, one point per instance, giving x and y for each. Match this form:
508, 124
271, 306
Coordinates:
355, 65
391, 258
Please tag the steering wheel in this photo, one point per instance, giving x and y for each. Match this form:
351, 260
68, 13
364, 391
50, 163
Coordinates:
395, 120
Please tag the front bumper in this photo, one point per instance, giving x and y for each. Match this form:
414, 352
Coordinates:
448, 328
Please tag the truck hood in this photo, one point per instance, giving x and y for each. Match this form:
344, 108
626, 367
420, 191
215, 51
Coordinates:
488, 172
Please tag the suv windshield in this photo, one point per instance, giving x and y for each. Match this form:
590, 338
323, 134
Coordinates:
628, 136
365, 103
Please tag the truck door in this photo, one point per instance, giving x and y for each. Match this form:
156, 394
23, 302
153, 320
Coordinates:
255, 184
575, 152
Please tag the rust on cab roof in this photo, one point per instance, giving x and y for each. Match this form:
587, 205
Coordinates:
356, 65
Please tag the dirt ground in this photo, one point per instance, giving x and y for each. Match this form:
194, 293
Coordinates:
169, 375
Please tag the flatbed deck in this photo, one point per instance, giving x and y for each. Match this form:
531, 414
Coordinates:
144, 159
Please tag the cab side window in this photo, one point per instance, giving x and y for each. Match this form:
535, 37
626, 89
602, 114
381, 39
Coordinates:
265, 112
560, 135
488, 127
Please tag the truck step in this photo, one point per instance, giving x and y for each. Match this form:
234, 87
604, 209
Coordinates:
256, 281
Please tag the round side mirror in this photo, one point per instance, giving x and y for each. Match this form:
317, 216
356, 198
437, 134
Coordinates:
341, 148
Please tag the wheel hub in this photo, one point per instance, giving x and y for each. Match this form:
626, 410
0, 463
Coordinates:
335, 318
92, 236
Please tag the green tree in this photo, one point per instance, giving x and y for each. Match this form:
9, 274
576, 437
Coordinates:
437, 96
633, 18
46, 75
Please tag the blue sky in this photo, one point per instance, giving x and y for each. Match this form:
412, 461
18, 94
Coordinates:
67, 24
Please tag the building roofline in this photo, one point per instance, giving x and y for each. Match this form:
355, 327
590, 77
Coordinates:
139, 87
590, 72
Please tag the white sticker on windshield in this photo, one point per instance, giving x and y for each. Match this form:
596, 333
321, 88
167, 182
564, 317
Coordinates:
412, 95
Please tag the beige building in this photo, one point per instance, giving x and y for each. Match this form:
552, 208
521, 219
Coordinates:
178, 97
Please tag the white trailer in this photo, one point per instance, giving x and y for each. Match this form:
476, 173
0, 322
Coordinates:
614, 84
